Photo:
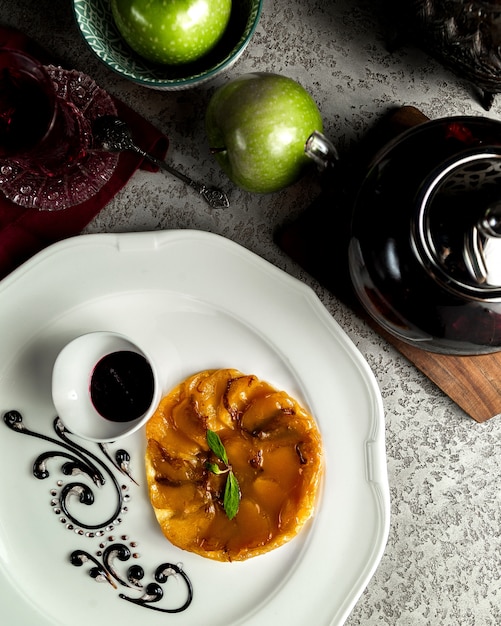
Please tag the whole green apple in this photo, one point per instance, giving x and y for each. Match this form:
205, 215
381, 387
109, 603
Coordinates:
257, 126
171, 31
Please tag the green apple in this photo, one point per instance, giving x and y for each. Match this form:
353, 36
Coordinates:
172, 32
257, 126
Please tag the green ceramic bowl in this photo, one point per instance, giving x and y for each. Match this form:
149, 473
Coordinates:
96, 23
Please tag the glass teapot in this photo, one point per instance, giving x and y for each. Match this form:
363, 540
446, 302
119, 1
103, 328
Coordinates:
425, 241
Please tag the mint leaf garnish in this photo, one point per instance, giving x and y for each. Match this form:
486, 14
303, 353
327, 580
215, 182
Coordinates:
214, 468
216, 445
232, 494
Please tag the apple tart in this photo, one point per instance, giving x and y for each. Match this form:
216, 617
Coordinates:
232, 464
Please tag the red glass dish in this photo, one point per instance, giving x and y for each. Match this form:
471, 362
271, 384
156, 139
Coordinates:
46, 116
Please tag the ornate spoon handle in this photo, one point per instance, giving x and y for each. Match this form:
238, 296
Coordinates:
216, 198
112, 134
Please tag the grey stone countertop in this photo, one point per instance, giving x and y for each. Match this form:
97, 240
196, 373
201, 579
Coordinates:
442, 563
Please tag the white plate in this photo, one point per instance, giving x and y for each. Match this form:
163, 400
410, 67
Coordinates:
195, 301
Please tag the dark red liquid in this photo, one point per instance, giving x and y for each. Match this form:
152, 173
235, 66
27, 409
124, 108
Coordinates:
25, 112
398, 289
122, 386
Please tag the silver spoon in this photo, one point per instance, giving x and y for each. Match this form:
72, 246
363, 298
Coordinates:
111, 134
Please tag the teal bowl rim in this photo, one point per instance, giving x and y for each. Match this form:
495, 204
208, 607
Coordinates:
98, 44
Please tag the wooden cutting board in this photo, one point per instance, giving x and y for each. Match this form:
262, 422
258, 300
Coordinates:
318, 241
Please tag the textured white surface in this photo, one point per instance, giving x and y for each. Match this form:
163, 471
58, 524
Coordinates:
442, 564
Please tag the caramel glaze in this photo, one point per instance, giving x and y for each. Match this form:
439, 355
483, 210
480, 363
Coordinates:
273, 447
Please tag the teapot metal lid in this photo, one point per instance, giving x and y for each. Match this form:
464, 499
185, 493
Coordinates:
457, 231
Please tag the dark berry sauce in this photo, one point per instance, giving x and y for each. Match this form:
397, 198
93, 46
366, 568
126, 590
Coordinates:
122, 386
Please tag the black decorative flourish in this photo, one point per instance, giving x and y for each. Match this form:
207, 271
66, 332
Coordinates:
78, 463
121, 460
153, 592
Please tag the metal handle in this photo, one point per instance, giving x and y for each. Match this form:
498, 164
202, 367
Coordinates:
216, 198
490, 223
488, 226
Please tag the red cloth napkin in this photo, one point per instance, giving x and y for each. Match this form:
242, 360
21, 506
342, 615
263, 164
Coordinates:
23, 232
